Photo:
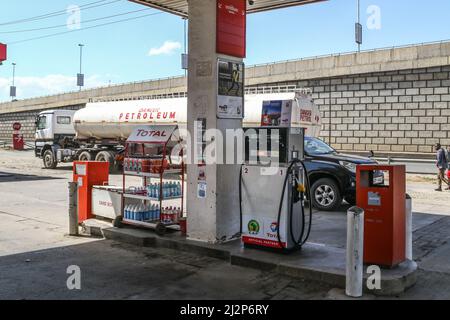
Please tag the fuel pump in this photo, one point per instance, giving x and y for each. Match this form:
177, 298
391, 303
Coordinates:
274, 183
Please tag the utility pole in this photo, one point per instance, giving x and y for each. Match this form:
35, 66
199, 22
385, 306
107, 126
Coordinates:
80, 76
358, 26
12, 90
184, 56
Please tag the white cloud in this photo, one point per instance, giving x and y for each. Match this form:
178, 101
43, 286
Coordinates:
169, 47
28, 87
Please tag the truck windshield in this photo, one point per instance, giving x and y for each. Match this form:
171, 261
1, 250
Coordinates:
314, 146
42, 123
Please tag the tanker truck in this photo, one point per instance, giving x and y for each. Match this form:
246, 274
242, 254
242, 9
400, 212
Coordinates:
99, 131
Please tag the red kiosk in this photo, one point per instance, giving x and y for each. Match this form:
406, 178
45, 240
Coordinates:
384, 207
88, 174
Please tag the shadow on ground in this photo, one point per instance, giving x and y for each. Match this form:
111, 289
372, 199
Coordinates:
15, 177
111, 270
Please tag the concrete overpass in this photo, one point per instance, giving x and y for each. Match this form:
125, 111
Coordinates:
393, 100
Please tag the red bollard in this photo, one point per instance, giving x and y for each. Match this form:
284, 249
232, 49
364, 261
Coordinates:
18, 143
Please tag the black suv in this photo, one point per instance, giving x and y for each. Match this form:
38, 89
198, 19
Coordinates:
333, 174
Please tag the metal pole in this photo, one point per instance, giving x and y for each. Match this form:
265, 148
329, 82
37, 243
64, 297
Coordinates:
14, 73
185, 41
359, 21
81, 58
329, 120
73, 209
355, 249
408, 218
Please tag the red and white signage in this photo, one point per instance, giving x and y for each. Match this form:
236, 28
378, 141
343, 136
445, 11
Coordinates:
231, 27
152, 134
17, 126
147, 114
3, 54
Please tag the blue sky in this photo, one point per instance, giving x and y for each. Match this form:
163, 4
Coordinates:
120, 52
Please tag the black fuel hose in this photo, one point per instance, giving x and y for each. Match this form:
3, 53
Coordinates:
240, 199
300, 242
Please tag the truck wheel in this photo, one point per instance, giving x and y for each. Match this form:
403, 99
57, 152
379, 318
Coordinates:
326, 195
49, 160
106, 156
85, 156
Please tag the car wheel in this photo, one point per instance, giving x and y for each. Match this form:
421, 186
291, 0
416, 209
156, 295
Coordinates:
49, 160
326, 195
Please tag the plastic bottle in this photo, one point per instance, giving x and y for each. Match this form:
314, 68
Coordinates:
179, 189
144, 212
136, 213
126, 213
139, 165
166, 190
157, 213
151, 211
141, 212
131, 212
173, 189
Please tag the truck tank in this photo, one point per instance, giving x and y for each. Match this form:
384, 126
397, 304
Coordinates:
117, 120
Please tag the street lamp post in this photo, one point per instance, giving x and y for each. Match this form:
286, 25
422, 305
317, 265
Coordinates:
358, 26
12, 90
80, 76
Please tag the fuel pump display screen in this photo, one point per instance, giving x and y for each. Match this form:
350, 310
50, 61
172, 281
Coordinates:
266, 144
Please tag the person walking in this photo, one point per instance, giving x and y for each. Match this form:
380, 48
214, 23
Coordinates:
442, 165
448, 160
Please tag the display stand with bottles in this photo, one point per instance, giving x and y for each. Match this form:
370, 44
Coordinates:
149, 155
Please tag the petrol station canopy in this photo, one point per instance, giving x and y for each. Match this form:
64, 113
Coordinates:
180, 7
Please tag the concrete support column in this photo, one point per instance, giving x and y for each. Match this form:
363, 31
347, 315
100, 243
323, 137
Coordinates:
214, 218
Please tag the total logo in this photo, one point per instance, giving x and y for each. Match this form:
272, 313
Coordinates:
274, 227
147, 133
253, 227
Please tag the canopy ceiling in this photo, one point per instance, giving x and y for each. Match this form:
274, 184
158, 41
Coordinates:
180, 7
